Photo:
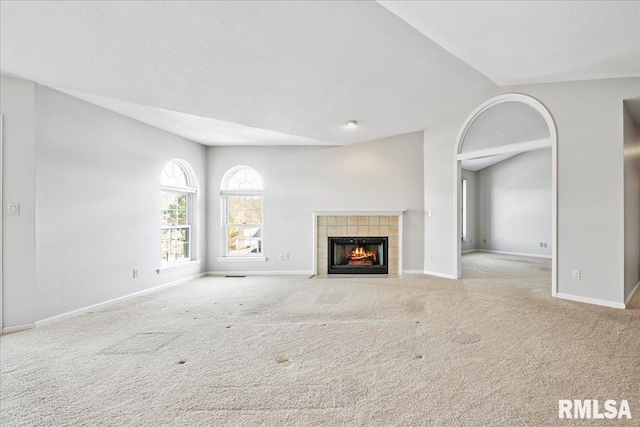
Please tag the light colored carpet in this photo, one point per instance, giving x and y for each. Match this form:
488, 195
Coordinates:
491, 349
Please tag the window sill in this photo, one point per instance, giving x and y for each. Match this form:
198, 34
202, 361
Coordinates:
242, 259
179, 266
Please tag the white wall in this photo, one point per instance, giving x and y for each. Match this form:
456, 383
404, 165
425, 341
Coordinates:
382, 174
514, 204
97, 203
588, 117
18, 275
472, 210
631, 204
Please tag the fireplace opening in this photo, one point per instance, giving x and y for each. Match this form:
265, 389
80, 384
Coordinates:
358, 255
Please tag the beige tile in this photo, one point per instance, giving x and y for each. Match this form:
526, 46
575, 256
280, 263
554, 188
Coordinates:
352, 230
332, 230
341, 230
322, 253
363, 230
322, 231
393, 230
393, 241
393, 220
322, 220
374, 230
352, 220
331, 220
393, 253
322, 267
393, 271
322, 243
384, 220
374, 220
393, 264
341, 220
384, 230
363, 220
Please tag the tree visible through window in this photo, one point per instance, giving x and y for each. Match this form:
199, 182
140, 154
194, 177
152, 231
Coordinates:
176, 200
242, 204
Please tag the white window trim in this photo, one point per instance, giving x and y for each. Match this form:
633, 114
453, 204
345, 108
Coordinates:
191, 192
464, 202
179, 265
224, 195
224, 207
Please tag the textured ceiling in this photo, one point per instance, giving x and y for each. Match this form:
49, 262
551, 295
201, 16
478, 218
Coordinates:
298, 68
200, 129
518, 42
271, 72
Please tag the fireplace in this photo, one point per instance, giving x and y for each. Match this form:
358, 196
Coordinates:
358, 255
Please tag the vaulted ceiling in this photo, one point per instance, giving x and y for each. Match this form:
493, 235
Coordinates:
273, 73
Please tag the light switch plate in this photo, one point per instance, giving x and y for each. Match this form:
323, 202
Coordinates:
13, 209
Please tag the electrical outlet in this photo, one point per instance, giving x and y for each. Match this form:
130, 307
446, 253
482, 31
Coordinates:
429, 212
541, 245
280, 257
484, 241
13, 209
136, 273
576, 275
545, 245
430, 255
286, 256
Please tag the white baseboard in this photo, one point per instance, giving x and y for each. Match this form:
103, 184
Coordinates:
261, 273
412, 272
588, 300
630, 297
115, 300
17, 328
514, 253
469, 251
433, 273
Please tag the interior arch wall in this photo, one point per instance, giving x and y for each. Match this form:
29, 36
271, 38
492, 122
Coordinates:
588, 119
553, 143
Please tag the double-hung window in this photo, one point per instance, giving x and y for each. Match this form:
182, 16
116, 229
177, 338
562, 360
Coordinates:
242, 199
177, 197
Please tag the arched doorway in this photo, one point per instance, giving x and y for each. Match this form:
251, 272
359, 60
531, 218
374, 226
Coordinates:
501, 126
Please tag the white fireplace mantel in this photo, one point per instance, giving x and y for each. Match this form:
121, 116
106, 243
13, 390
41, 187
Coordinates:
371, 212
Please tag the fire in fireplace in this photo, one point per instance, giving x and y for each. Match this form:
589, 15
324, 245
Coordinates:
358, 255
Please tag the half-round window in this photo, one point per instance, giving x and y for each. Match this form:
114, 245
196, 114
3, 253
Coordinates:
242, 178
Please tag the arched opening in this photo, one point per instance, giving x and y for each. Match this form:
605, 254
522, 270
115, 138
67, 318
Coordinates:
501, 128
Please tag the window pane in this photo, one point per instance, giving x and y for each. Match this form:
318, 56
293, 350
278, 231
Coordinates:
174, 175
244, 240
175, 244
244, 178
174, 214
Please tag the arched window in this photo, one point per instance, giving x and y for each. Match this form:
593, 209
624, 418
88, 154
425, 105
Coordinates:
241, 195
177, 199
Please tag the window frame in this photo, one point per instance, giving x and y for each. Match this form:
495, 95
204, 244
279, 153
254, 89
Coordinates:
225, 195
464, 193
190, 193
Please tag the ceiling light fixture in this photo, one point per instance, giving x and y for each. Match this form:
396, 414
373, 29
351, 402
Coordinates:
352, 123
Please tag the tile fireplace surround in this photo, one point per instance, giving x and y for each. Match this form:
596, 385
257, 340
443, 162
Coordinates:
356, 223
